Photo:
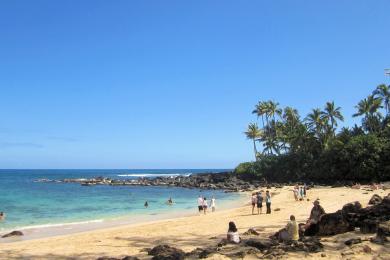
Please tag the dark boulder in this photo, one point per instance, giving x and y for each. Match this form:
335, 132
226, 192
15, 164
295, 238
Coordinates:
13, 234
165, 252
251, 231
375, 200
368, 226
261, 244
332, 224
353, 241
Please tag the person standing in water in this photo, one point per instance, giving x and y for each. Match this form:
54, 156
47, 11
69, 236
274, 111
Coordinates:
2, 216
205, 205
200, 203
170, 201
268, 202
212, 204
146, 204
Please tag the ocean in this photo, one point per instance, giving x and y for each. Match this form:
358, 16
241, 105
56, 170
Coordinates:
30, 204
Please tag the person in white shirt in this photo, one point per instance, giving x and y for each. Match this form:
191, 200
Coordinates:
200, 203
212, 204
232, 234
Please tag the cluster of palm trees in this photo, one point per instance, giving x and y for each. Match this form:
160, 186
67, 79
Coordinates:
283, 131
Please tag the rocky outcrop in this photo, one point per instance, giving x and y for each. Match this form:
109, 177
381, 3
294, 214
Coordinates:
13, 234
226, 181
333, 223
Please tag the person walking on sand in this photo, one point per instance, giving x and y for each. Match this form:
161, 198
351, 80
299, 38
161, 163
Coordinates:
212, 204
268, 201
259, 203
304, 189
295, 192
204, 205
200, 204
253, 201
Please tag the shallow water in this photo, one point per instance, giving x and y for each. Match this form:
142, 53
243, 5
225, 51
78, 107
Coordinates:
35, 204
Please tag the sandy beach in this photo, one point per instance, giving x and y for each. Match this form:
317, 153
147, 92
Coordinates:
195, 231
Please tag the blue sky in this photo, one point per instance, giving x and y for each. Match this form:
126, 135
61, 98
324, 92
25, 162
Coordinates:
171, 84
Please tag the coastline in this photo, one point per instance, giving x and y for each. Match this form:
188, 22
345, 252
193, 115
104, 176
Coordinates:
190, 232
62, 229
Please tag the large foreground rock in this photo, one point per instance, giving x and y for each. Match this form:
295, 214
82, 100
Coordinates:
333, 223
166, 252
375, 199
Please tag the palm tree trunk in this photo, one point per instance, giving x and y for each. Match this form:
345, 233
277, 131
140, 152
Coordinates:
254, 148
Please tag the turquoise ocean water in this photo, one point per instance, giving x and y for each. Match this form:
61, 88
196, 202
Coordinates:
35, 204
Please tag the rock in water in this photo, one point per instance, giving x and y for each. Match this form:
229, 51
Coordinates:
332, 224
13, 234
165, 252
375, 199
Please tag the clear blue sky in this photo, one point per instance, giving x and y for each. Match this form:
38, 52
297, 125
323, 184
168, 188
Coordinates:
171, 84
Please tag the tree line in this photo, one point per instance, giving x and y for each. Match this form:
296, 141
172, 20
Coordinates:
288, 147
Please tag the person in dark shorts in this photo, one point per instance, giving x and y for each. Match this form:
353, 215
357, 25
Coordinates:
259, 202
146, 204
200, 203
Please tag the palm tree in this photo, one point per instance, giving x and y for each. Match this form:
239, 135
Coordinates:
260, 110
315, 122
332, 114
368, 108
254, 133
383, 92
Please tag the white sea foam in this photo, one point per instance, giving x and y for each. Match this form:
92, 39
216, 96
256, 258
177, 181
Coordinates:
51, 225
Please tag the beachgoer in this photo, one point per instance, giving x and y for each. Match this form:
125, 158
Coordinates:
301, 193
259, 202
253, 201
170, 201
304, 189
290, 232
232, 234
200, 203
295, 192
268, 201
2, 216
311, 226
204, 205
212, 204
146, 204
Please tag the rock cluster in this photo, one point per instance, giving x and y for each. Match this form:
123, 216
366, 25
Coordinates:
226, 181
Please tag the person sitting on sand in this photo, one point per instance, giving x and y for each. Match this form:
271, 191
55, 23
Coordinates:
200, 203
146, 204
259, 202
253, 201
204, 205
290, 232
2, 216
315, 215
232, 234
212, 204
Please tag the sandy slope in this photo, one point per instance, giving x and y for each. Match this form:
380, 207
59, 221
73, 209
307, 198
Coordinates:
200, 231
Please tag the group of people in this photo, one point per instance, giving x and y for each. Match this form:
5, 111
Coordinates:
292, 230
300, 192
203, 204
168, 202
257, 201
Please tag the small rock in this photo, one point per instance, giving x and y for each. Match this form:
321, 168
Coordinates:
13, 234
251, 231
323, 255
353, 241
277, 209
375, 200
367, 249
